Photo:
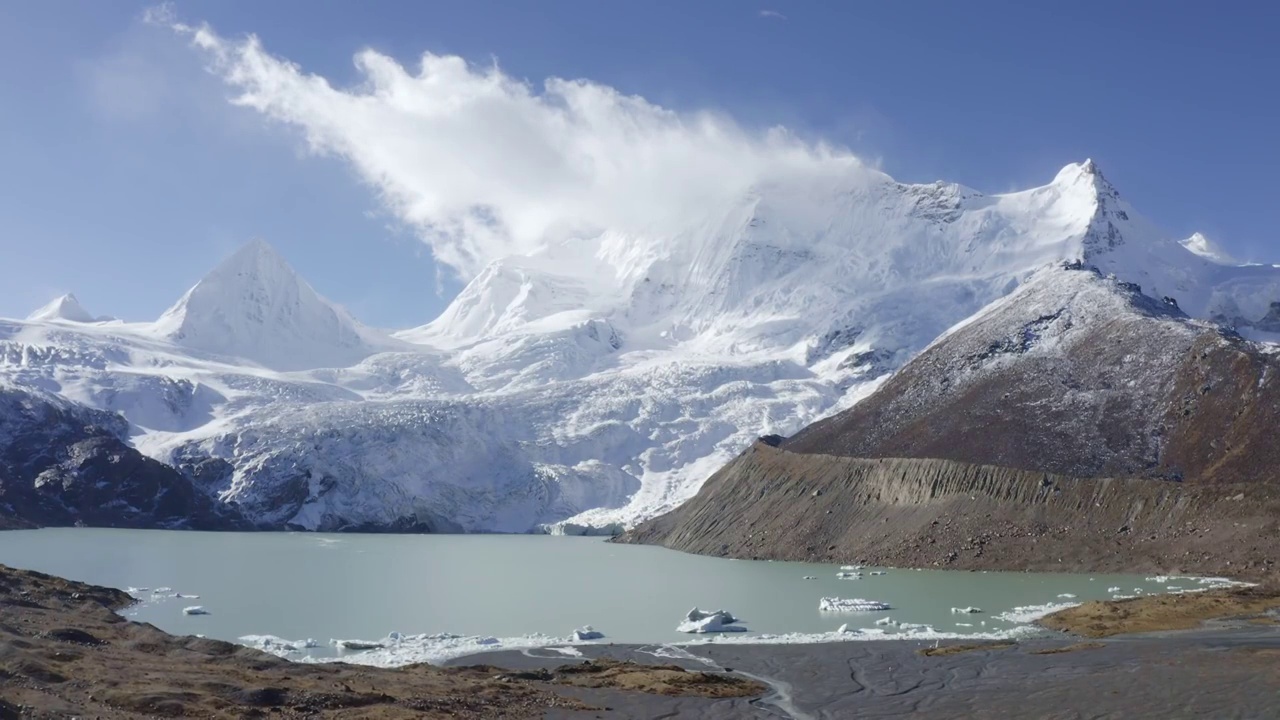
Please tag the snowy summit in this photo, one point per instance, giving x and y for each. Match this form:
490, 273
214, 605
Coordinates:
66, 308
254, 306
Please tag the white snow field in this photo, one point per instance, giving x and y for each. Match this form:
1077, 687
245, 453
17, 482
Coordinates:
598, 381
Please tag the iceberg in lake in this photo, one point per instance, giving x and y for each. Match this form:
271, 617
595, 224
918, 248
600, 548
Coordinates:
835, 604
586, 632
194, 610
965, 610
697, 621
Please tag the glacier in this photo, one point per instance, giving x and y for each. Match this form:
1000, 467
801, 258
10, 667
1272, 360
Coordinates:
598, 381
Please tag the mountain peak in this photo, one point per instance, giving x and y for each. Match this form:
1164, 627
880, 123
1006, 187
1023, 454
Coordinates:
1085, 173
255, 306
1208, 249
66, 307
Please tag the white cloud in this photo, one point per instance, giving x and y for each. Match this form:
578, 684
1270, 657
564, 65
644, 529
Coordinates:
485, 166
772, 15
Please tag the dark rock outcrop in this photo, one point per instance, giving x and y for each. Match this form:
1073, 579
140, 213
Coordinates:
66, 464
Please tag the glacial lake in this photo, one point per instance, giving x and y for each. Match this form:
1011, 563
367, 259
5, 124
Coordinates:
464, 593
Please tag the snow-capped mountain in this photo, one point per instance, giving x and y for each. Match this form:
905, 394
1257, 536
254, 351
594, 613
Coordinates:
1074, 424
254, 306
1208, 249
600, 380
65, 307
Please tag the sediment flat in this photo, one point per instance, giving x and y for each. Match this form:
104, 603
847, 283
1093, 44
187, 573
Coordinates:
1219, 673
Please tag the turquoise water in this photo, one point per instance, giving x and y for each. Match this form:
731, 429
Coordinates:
300, 585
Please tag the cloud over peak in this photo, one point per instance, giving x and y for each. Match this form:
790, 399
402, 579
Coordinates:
484, 165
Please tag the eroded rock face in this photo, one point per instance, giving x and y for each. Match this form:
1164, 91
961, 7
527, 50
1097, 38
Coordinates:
65, 464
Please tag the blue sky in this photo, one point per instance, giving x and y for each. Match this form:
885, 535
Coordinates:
126, 173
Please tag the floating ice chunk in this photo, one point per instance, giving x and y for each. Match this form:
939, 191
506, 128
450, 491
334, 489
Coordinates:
886, 621
1137, 591
161, 590
277, 645
835, 604
965, 610
1114, 589
436, 648
843, 629
135, 590
194, 610
1031, 613
1067, 596
697, 621
878, 572
1173, 587
586, 632
960, 624
810, 577
849, 575
186, 597
850, 567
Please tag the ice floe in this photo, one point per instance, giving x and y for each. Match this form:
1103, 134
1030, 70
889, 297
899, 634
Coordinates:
194, 610
879, 572
586, 632
886, 621
848, 575
836, 604
697, 621
277, 645
1114, 589
398, 649
1067, 596
1030, 613
965, 610
810, 577
906, 631
850, 567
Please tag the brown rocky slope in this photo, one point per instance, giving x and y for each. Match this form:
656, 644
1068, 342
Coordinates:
1075, 425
